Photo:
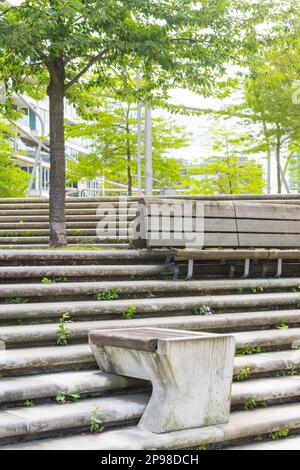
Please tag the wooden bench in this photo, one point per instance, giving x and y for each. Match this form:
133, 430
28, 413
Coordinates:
191, 373
246, 230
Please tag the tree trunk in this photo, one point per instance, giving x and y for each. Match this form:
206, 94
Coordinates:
129, 175
57, 200
278, 166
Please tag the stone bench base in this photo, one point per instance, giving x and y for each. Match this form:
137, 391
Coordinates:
191, 373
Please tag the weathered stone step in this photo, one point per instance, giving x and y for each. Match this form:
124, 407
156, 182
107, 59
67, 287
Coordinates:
79, 211
94, 246
76, 256
70, 232
46, 333
20, 361
268, 362
291, 443
242, 424
69, 218
72, 240
44, 386
158, 306
94, 382
48, 358
69, 205
83, 200
82, 271
141, 287
269, 338
53, 417
12, 226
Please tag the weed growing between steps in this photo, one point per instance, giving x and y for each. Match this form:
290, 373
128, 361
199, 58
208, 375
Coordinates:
252, 403
129, 314
47, 280
249, 351
282, 325
279, 434
243, 374
96, 424
16, 300
62, 399
111, 294
28, 403
203, 310
62, 335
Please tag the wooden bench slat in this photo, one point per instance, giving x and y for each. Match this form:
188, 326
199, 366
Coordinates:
265, 240
210, 239
268, 226
267, 211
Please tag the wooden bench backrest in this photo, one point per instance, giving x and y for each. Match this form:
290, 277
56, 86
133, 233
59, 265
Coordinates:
231, 224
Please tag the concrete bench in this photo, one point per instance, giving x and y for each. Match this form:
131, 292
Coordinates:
248, 230
191, 373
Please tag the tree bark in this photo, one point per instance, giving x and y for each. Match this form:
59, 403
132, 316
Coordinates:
56, 94
129, 175
278, 163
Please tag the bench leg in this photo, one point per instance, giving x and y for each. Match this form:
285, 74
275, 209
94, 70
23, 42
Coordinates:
190, 270
247, 269
279, 268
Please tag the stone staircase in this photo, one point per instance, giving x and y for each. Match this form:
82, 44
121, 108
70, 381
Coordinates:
24, 223
53, 396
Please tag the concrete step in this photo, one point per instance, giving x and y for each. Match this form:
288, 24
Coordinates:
47, 418
267, 362
20, 219
83, 271
48, 256
269, 338
161, 287
242, 425
291, 443
45, 386
91, 232
79, 200
83, 246
78, 331
7, 226
23, 361
16, 362
94, 382
79, 211
69, 205
149, 306
72, 240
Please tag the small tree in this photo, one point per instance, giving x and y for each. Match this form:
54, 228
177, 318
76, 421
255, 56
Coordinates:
229, 171
113, 127
13, 180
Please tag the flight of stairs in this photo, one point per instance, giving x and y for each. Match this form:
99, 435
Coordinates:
24, 223
53, 396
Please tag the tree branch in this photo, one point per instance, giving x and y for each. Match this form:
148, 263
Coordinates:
91, 62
